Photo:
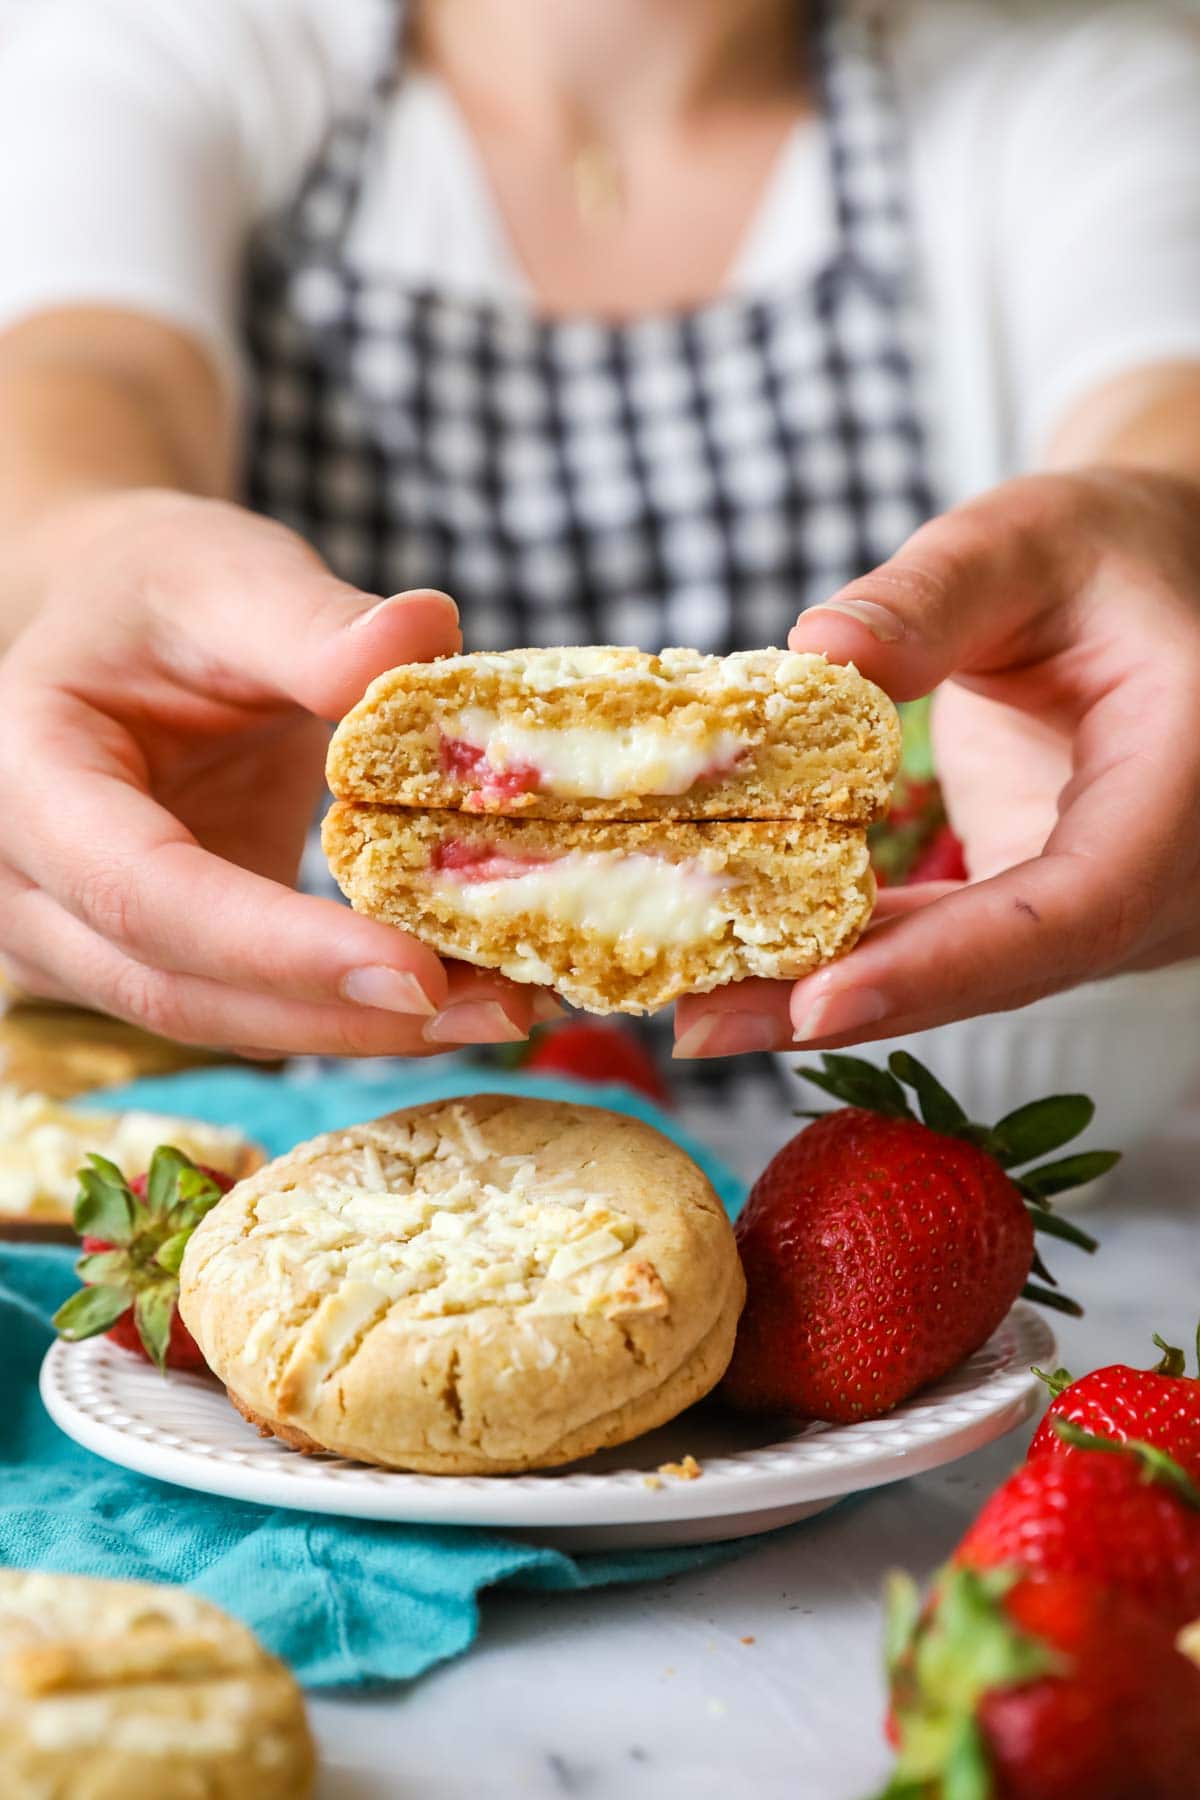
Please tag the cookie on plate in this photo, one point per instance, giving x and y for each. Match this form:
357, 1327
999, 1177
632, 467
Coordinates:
614, 917
111, 1690
475, 1286
43, 1144
607, 733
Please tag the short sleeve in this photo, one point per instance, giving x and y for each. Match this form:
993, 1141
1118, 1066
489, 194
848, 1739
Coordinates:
1097, 246
139, 142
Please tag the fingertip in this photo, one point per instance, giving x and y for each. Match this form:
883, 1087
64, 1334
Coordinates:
872, 638
412, 627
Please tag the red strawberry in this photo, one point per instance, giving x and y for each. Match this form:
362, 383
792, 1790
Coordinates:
590, 1051
1125, 1514
879, 1251
941, 860
1159, 1406
1011, 1688
134, 1235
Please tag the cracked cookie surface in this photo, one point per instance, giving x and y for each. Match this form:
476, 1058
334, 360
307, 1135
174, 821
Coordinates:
121, 1688
476, 1286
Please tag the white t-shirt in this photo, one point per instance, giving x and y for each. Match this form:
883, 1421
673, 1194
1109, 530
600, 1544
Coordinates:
1054, 153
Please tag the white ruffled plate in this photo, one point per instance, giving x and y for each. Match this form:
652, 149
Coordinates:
756, 1476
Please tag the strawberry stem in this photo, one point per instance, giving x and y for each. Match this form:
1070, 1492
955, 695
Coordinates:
1057, 1383
1172, 1361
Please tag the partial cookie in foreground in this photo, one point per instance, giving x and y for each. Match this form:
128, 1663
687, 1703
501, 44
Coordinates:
43, 1145
607, 733
615, 918
476, 1286
113, 1690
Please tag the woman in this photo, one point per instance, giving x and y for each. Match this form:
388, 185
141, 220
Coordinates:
652, 321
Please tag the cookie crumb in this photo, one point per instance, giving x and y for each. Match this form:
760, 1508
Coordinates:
747, 1640
687, 1470
652, 1482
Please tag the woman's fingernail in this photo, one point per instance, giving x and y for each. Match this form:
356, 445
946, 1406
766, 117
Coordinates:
729, 1034
881, 623
833, 1014
545, 1007
473, 1022
393, 990
373, 612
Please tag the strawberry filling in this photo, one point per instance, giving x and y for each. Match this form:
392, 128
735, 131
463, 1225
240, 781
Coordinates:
494, 787
469, 863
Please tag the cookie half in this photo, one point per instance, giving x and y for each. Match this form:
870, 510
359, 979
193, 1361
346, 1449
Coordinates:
615, 918
114, 1689
476, 1286
610, 733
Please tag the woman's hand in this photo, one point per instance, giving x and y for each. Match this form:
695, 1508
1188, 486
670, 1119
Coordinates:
161, 754
1063, 611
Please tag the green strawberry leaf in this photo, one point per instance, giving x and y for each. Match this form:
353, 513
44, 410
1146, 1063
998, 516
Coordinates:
856, 1082
1037, 1267
104, 1207
170, 1254
901, 1612
89, 1312
965, 1647
162, 1183
1040, 1127
1054, 1226
968, 1772
1062, 1303
1069, 1172
198, 1193
107, 1268
108, 1170
939, 1110
153, 1311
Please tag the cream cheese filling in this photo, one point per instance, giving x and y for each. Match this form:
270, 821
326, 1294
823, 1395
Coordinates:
597, 761
608, 894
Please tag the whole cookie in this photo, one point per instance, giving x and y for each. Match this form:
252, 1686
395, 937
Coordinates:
113, 1689
471, 1287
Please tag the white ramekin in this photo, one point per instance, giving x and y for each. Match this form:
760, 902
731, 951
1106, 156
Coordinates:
1132, 1043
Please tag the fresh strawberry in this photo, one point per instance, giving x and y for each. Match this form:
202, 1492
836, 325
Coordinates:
1159, 1406
880, 1250
1056, 1688
591, 1051
1125, 1514
134, 1236
941, 860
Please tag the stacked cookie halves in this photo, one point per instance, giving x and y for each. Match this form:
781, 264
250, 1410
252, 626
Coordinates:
620, 827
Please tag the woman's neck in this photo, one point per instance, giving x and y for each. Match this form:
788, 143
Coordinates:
611, 69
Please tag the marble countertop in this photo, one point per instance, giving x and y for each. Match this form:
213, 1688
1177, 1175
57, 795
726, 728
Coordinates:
761, 1677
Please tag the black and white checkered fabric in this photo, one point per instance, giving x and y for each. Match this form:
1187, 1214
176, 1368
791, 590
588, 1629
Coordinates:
691, 478
694, 477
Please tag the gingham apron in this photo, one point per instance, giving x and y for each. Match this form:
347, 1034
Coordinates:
695, 477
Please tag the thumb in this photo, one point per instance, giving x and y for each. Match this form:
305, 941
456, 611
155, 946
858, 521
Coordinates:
352, 637
973, 592
263, 610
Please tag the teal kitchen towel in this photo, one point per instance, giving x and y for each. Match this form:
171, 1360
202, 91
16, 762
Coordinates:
346, 1602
